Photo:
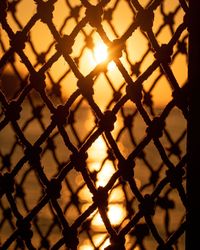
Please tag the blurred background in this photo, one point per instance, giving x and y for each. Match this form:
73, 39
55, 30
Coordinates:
90, 56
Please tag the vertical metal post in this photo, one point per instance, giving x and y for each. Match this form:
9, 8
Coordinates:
193, 170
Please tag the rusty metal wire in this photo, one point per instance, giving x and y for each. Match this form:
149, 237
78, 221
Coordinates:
46, 138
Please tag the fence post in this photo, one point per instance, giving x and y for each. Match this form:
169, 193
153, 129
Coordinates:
193, 171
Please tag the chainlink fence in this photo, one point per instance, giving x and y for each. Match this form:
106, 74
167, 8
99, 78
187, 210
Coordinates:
93, 121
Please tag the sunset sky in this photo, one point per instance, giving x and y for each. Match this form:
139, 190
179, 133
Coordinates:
136, 47
127, 157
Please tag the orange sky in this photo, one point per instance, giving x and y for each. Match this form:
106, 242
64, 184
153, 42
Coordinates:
136, 46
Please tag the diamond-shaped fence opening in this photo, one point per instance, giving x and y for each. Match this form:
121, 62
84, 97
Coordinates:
93, 122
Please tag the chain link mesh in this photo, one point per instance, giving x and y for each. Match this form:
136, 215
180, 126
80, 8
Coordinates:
93, 124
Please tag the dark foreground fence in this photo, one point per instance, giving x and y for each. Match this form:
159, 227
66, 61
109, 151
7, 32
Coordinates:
93, 124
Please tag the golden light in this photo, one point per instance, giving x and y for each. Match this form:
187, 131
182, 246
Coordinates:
97, 152
105, 174
116, 214
97, 239
86, 247
100, 53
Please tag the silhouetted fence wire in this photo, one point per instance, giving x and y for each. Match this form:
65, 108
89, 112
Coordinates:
50, 194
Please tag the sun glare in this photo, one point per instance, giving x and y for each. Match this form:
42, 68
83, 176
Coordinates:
100, 53
116, 214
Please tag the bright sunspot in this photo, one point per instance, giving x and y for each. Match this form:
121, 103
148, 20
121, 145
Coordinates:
116, 214
100, 55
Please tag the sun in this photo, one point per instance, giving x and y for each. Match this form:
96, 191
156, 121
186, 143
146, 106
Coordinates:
100, 55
